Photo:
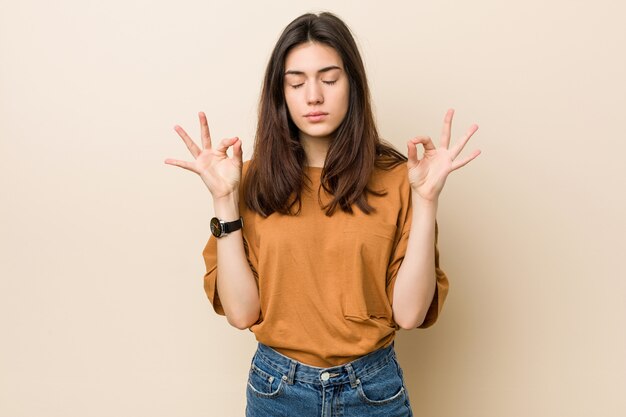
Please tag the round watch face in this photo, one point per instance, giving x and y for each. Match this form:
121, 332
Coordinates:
216, 227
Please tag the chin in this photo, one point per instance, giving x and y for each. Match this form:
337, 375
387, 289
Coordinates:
319, 132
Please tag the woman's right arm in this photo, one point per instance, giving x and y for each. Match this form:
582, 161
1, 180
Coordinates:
236, 285
237, 288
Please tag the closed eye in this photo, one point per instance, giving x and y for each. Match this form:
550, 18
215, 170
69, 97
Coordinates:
325, 82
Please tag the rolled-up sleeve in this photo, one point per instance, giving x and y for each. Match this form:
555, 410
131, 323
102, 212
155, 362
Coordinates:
210, 277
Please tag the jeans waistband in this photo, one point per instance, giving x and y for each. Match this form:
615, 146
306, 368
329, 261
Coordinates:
292, 370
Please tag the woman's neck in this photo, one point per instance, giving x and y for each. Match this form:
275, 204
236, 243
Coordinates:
315, 149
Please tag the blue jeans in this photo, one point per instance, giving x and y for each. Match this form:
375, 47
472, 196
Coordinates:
371, 385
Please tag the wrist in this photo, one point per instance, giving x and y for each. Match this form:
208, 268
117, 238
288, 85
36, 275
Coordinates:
227, 207
418, 200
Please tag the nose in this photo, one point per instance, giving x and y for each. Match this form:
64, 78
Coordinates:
314, 94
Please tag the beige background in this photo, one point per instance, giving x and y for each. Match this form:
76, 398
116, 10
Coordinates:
102, 310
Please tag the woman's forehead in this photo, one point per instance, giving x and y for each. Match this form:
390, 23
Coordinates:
312, 57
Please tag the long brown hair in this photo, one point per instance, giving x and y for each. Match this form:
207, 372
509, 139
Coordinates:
275, 176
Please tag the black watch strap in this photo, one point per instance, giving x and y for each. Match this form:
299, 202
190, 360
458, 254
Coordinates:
230, 227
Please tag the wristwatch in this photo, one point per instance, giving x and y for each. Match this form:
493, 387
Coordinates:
221, 228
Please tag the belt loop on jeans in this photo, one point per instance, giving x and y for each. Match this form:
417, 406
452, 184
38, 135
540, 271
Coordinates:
351, 375
292, 372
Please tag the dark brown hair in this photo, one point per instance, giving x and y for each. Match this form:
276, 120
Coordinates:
275, 176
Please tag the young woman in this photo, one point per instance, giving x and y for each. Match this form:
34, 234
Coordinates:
325, 242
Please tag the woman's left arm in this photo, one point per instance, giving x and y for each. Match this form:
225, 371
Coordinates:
416, 280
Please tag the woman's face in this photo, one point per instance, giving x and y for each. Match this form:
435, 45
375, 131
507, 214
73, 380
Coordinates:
316, 89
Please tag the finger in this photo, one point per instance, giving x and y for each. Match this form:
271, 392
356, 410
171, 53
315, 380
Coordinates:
204, 128
238, 152
456, 150
426, 142
225, 144
412, 153
193, 148
183, 164
447, 127
459, 164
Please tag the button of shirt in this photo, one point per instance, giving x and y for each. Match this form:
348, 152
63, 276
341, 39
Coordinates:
325, 376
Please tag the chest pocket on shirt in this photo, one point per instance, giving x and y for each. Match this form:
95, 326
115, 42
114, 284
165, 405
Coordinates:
368, 248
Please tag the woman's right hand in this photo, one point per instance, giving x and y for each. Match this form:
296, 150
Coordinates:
220, 173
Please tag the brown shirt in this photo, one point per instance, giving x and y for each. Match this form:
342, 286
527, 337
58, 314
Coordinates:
326, 283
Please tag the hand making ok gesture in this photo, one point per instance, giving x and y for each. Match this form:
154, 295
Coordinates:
428, 175
220, 173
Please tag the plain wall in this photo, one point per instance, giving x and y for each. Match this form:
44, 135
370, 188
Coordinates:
102, 310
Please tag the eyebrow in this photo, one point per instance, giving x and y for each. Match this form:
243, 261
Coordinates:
325, 69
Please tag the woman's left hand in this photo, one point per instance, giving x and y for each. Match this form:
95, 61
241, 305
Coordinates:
428, 175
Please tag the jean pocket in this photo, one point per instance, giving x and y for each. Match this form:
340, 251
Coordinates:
382, 387
265, 383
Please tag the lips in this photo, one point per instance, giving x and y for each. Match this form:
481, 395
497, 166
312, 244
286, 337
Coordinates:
316, 116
